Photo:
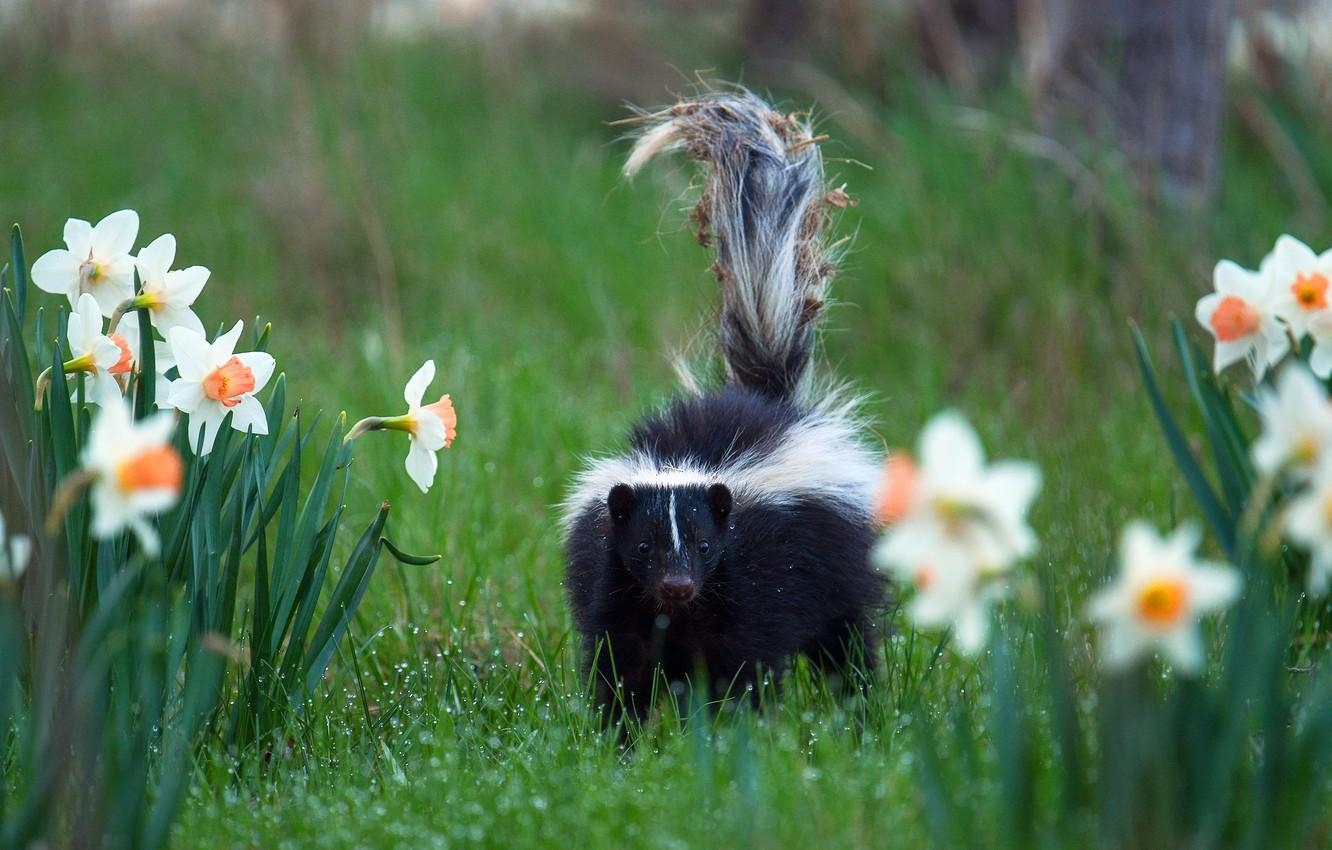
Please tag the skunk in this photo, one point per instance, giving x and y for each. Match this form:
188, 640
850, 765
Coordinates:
736, 531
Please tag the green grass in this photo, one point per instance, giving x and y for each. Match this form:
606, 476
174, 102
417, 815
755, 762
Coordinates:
549, 292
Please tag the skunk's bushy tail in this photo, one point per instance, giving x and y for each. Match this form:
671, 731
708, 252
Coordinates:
763, 208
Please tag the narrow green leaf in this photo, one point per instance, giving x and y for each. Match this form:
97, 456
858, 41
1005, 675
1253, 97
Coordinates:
1216, 515
345, 598
145, 396
1232, 465
18, 273
405, 558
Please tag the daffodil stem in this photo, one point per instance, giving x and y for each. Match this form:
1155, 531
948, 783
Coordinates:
1256, 505
39, 390
66, 495
119, 313
370, 423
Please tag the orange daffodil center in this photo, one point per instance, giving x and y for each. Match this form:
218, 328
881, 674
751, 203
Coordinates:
1310, 291
898, 490
228, 382
443, 409
1235, 319
126, 361
1161, 601
159, 467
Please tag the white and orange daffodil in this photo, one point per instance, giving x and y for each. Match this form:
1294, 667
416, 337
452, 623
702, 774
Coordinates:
1308, 523
1160, 594
956, 526
1243, 315
429, 427
15, 552
1300, 278
135, 472
105, 359
959, 497
95, 260
1297, 424
215, 382
167, 295
951, 591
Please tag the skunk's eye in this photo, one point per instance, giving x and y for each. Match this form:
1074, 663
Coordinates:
703, 547
643, 548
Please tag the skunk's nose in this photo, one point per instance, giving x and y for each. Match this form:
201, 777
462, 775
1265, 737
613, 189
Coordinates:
676, 589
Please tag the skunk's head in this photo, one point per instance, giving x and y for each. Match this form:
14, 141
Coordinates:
670, 538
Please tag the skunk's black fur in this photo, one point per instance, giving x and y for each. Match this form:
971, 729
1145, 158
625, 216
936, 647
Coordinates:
736, 531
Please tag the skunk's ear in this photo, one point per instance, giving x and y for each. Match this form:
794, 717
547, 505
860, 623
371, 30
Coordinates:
719, 499
620, 502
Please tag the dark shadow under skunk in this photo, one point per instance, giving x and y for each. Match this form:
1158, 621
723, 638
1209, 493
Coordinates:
736, 531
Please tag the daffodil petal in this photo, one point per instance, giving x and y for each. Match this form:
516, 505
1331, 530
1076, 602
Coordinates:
78, 239
421, 466
430, 431
56, 272
416, 385
114, 235
185, 396
949, 448
184, 286
1183, 647
249, 415
225, 345
192, 353
154, 260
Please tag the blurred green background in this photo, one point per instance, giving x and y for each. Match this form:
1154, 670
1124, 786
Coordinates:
387, 183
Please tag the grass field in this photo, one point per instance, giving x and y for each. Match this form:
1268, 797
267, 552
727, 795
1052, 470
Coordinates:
406, 205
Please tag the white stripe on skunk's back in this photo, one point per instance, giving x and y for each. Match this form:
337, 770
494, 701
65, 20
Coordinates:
819, 457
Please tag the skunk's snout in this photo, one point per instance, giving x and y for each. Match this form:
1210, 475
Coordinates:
676, 589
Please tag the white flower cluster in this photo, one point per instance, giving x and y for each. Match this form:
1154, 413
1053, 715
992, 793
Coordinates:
1296, 447
1258, 315
957, 527
95, 271
131, 467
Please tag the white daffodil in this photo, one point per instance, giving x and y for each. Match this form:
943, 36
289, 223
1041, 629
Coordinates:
15, 552
1242, 315
166, 294
95, 260
951, 591
1297, 424
1308, 523
1161, 592
983, 507
135, 472
215, 382
430, 427
1300, 279
95, 354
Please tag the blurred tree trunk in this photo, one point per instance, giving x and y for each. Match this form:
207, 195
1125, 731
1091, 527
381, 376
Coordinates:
1148, 75
777, 34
